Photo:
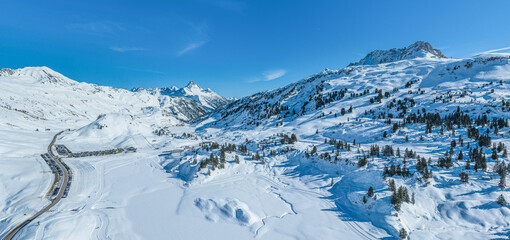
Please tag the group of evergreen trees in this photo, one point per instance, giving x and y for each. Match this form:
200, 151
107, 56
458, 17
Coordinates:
422, 167
392, 171
399, 195
388, 151
218, 162
401, 105
459, 118
339, 144
379, 96
477, 155
370, 193
212, 160
286, 139
402, 233
209, 146
445, 162
321, 100
502, 170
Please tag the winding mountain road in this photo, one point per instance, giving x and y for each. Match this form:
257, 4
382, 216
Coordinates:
10, 235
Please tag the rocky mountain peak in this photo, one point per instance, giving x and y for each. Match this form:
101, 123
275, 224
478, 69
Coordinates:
415, 50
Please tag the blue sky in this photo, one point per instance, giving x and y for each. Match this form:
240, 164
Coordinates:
234, 47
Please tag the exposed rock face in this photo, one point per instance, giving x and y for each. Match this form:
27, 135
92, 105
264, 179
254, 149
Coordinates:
417, 49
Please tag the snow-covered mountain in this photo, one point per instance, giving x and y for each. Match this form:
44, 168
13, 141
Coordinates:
32, 94
206, 97
358, 85
417, 49
403, 108
405, 143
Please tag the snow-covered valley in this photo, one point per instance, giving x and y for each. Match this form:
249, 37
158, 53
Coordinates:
404, 143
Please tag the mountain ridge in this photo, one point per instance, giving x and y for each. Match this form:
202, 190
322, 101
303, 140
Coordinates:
206, 97
39, 93
415, 50
310, 93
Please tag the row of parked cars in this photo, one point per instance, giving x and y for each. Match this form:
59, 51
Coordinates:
64, 151
55, 168
97, 153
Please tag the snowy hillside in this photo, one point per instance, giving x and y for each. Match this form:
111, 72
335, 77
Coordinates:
206, 97
426, 123
364, 87
35, 96
404, 144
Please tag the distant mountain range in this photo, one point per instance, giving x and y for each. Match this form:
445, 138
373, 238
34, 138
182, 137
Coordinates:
206, 97
39, 93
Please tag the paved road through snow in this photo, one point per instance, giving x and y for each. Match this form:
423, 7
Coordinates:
64, 168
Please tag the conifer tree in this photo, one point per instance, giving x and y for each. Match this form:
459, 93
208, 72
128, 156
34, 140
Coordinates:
502, 180
395, 201
464, 177
314, 150
392, 186
494, 155
370, 192
293, 138
222, 156
501, 200
402, 233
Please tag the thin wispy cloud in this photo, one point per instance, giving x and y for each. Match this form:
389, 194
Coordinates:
190, 47
97, 28
268, 75
126, 49
496, 50
273, 74
195, 36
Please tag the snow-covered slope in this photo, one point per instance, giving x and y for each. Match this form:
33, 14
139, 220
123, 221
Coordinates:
33, 97
403, 144
356, 85
206, 97
434, 106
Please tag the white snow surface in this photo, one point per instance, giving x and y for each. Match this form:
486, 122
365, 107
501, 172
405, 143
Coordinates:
36, 96
159, 192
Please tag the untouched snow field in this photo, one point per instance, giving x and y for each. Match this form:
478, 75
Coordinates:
131, 196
